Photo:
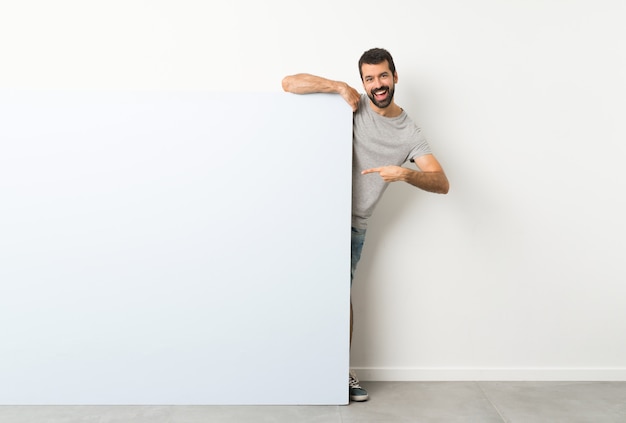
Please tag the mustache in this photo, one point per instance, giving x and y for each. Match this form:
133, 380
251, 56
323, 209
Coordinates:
383, 88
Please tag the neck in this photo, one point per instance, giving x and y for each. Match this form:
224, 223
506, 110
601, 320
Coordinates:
390, 111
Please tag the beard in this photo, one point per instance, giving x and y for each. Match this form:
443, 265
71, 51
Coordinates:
383, 103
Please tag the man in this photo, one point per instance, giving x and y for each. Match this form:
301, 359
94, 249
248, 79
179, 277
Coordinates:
384, 138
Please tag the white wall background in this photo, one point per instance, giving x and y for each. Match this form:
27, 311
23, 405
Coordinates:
517, 273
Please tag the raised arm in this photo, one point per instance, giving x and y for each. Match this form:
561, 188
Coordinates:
304, 83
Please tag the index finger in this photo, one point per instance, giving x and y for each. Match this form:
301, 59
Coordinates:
372, 170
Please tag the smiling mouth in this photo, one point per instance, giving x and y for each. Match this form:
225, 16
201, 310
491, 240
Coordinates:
381, 93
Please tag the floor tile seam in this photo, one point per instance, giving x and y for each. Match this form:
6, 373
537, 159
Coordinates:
495, 407
337, 409
340, 411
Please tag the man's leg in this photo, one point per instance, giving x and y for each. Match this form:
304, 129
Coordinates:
351, 321
357, 393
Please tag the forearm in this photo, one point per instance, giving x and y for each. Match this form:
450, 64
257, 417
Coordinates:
304, 83
436, 182
432, 181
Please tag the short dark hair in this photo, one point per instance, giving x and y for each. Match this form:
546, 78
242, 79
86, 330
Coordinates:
375, 56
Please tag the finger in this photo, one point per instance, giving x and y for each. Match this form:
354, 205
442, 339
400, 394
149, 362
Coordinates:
372, 170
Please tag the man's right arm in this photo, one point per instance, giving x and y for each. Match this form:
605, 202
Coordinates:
304, 83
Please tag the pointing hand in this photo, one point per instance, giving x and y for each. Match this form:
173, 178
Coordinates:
388, 173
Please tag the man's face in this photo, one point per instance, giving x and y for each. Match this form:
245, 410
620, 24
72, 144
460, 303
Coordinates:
379, 83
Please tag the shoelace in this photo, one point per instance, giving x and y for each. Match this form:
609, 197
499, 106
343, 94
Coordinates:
354, 383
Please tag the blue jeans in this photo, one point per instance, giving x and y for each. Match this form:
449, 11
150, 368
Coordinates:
358, 239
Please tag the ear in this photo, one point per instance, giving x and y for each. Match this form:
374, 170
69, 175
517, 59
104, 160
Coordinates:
395, 77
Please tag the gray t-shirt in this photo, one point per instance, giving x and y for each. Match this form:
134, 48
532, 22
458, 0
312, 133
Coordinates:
379, 141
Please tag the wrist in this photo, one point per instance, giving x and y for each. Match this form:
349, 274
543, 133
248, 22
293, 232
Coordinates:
407, 174
340, 87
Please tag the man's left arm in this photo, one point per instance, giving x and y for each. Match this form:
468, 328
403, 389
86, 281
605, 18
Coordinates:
430, 176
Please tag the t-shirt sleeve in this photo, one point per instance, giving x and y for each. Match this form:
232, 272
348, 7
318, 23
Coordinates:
420, 145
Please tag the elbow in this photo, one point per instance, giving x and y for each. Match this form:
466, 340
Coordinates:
445, 186
286, 84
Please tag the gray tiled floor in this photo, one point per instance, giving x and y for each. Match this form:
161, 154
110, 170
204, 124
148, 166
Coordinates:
481, 402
